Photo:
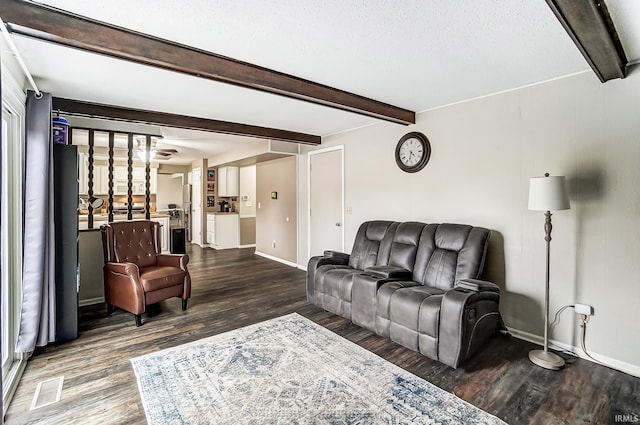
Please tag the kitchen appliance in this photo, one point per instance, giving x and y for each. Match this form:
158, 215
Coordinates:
178, 235
224, 206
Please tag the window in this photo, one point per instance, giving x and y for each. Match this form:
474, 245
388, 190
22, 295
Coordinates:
11, 200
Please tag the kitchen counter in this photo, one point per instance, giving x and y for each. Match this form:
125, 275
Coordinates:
119, 217
100, 219
222, 213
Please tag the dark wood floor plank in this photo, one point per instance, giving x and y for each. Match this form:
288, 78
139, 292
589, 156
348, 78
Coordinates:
235, 288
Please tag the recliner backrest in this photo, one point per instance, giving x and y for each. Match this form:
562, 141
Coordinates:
449, 252
373, 238
403, 246
131, 241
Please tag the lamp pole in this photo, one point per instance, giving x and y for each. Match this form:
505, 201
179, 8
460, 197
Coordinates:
547, 238
547, 194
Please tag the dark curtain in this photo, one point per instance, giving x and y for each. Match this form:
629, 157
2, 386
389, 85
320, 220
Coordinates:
37, 318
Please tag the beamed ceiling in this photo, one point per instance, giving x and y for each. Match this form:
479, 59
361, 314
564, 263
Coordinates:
298, 71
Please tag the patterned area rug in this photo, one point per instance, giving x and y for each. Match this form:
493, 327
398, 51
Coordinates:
289, 370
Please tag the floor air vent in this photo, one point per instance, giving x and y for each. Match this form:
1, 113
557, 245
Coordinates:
47, 392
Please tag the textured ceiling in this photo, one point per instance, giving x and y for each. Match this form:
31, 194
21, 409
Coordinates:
412, 54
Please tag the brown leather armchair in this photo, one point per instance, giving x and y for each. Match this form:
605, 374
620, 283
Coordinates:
135, 273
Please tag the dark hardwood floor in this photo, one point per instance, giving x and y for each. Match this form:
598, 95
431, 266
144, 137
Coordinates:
235, 288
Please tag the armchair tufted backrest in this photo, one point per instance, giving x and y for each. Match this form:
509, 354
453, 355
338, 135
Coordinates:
131, 241
449, 252
373, 242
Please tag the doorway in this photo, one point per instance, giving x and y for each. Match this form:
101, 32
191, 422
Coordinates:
326, 200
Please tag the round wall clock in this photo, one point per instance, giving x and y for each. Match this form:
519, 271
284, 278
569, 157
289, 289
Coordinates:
413, 152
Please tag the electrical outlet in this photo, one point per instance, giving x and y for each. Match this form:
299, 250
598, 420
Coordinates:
585, 309
273, 244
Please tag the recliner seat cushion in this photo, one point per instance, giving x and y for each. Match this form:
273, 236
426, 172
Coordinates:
159, 277
383, 314
406, 308
333, 289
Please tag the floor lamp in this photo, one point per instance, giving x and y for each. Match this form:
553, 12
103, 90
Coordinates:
548, 193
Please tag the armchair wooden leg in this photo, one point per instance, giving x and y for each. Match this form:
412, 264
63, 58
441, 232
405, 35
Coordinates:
138, 320
184, 305
110, 309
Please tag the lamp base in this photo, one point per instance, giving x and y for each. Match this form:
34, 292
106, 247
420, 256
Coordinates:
546, 359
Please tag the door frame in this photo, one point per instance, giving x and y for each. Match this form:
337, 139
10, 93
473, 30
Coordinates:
342, 214
202, 239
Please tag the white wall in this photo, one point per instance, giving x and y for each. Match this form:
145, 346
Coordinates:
484, 152
247, 188
169, 191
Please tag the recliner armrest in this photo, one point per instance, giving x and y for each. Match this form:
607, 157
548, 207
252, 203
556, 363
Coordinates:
476, 285
388, 272
337, 255
333, 258
469, 315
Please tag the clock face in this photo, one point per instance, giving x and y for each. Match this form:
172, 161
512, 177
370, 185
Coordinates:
413, 152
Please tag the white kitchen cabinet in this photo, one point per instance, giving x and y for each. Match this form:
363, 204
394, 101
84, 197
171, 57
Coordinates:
139, 180
83, 170
228, 181
120, 178
164, 233
223, 231
100, 179
211, 229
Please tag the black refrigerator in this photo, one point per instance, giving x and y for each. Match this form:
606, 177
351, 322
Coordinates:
65, 213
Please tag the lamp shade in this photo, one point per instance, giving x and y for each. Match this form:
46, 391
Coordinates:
548, 193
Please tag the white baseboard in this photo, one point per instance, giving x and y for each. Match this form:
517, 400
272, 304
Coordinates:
251, 245
90, 301
625, 367
279, 260
302, 267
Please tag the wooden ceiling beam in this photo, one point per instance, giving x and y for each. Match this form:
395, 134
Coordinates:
589, 25
60, 27
96, 110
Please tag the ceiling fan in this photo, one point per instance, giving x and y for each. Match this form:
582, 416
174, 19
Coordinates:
154, 152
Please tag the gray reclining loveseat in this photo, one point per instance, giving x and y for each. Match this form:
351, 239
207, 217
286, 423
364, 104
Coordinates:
414, 283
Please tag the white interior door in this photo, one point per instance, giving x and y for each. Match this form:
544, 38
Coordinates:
196, 206
326, 200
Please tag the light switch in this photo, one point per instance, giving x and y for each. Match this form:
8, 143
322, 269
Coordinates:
259, 205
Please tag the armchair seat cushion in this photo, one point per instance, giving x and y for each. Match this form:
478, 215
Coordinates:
160, 277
